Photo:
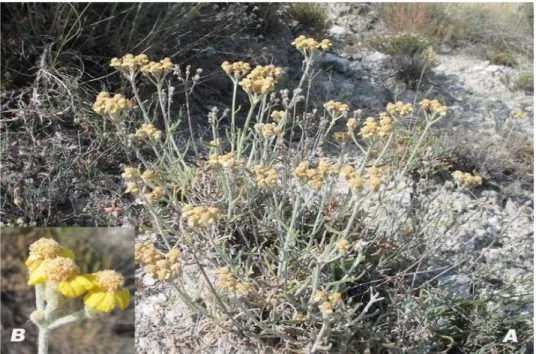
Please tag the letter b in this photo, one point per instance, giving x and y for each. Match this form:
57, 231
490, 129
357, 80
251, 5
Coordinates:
18, 334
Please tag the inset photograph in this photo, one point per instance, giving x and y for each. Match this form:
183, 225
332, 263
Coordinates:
67, 290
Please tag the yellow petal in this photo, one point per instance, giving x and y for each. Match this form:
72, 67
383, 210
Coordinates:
38, 274
75, 286
100, 301
123, 298
67, 253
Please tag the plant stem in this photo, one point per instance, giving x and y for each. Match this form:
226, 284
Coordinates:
233, 114
414, 152
77, 316
44, 336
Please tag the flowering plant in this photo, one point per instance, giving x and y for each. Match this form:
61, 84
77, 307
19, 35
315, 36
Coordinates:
57, 278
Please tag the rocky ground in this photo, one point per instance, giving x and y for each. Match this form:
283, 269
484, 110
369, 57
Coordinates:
490, 227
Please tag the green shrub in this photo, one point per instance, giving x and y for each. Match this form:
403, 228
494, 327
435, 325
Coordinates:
525, 81
413, 56
503, 58
311, 15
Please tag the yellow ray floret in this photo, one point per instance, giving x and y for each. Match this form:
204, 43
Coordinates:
108, 292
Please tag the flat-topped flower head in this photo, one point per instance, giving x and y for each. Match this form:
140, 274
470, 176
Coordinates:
343, 245
114, 107
63, 274
265, 177
129, 64
262, 80
156, 195
309, 46
108, 292
227, 161
434, 106
326, 308
236, 70
399, 108
167, 268
200, 216
41, 252
370, 128
351, 124
158, 70
341, 137
336, 109
146, 253
130, 173
278, 116
268, 130
45, 248
466, 178
148, 131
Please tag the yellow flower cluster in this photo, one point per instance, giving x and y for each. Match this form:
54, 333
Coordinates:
357, 183
268, 130
108, 292
336, 109
200, 216
146, 253
386, 124
328, 303
327, 169
309, 44
351, 124
374, 178
400, 108
130, 173
236, 70
148, 131
158, 69
148, 176
155, 195
341, 137
129, 62
229, 281
227, 161
343, 245
135, 180
265, 177
371, 127
278, 116
466, 178
51, 264
434, 106
113, 106
165, 268
519, 113
315, 177
261, 80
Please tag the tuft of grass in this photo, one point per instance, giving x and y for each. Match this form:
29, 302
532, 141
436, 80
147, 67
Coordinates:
525, 81
499, 26
413, 56
503, 58
311, 15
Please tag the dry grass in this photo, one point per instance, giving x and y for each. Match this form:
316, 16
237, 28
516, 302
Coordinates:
500, 26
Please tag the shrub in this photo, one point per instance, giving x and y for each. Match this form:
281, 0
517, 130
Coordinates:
413, 56
311, 15
525, 81
292, 244
503, 58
